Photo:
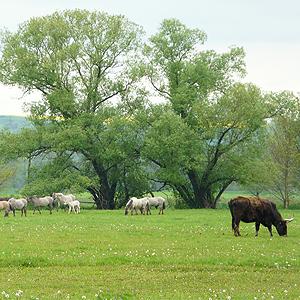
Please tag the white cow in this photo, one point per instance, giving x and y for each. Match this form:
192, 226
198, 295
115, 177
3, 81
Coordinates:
136, 204
39, 202
16, 204
73, 205
157, 202
60, 199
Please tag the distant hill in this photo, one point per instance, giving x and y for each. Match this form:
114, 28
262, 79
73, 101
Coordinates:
13, 123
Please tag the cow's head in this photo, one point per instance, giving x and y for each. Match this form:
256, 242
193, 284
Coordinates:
282, 227
128, 206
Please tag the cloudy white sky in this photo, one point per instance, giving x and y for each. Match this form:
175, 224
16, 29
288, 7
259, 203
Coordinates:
269, 31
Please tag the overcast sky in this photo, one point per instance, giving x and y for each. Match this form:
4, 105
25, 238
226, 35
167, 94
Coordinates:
269, 31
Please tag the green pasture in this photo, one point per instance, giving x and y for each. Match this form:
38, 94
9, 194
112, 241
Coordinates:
184, 254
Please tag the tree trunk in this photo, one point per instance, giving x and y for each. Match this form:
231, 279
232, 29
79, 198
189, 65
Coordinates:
185, 194
199, 194
104, 195
203, 197
96, 196
102, 200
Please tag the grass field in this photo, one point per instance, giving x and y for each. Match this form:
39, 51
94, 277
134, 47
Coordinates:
184, 254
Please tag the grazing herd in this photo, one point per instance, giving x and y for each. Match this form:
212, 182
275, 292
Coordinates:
67, 201
56, 200
246, 209
144, 205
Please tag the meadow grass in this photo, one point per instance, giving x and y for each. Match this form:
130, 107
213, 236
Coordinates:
184, 254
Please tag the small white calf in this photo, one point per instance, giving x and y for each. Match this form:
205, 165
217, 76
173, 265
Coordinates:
73, 205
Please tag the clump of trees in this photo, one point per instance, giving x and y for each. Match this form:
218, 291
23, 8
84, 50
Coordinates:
96, 128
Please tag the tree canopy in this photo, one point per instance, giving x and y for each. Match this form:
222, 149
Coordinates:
79, 61
215, 118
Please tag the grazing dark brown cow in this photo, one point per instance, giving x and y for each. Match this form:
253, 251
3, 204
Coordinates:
260, 211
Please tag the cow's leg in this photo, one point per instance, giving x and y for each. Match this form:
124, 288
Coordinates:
14, 212
270, 230
257, 224
236, 227
25, 212
39, 211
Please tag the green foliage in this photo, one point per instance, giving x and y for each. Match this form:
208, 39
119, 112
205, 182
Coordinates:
55, 174
170, 144
70, 54
284, 152
276, 170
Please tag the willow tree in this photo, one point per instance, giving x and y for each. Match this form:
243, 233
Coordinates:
81, 62
209, 127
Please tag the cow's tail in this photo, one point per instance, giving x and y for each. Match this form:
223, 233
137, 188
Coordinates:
164, 205
231, 204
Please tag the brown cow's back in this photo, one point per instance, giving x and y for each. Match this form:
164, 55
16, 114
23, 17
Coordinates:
250, 209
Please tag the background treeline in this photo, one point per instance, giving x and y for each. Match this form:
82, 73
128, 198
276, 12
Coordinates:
121, 115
